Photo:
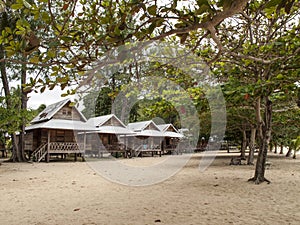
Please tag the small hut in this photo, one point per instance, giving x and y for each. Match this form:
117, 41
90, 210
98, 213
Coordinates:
105, 136
147, 137
171, 137
53, 131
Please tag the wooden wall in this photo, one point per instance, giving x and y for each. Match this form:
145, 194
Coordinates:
68, 113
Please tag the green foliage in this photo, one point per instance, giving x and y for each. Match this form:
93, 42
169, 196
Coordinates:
12, 118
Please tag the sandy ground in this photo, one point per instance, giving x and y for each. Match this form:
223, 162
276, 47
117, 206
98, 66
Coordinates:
73, 193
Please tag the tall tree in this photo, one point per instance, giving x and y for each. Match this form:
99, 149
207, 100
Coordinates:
262, 44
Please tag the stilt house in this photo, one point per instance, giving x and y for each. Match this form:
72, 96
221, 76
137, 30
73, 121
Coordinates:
105, 135
54, 130
171, 137
147, 137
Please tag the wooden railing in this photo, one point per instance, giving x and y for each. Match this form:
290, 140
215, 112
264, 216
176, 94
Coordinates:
55, 147
40, 153
64, 147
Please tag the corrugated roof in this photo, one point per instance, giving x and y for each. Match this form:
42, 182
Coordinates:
61, 125
51, 110
150, 133
173, 134
111, 130
98, 124
140, 129
100, 120
165, 127
140, 126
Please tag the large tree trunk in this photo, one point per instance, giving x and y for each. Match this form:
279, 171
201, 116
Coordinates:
275, 147
24, 100
244, 145
5, 83
18, 154
250, 160
264, 129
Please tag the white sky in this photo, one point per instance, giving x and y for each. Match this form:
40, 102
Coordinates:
48, 97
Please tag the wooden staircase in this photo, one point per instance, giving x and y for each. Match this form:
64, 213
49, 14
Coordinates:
40, 153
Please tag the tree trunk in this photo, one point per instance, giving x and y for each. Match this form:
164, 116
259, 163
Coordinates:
18, 154
264, 129
275, 147
250, 160
289, 153
271, 147
9, 105
244, 145
24, 100
281, 148
295, 153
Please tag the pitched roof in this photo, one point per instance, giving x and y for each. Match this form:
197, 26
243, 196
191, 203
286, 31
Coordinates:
51, 110
140, 126
101, 120
60, 124
100, 125
166, 129
140, 129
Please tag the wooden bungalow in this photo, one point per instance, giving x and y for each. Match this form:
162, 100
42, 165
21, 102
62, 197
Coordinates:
147, 138
53, 132
105, 136
171, 138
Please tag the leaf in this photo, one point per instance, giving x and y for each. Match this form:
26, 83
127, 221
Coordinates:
16, 6
152, 10
51, 53
42, 89
26, 4
202, 2
27, 89
273, 3
34, 59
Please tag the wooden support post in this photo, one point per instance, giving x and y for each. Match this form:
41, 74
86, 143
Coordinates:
84, 141
48, 147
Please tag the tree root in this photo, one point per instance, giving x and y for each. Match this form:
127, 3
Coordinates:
259, 181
